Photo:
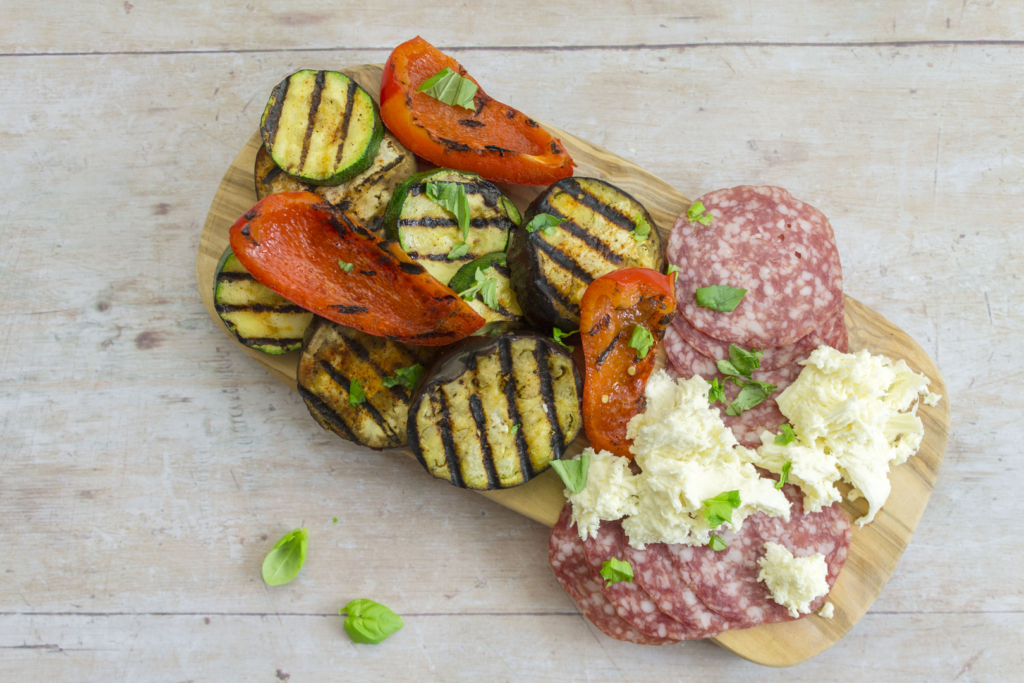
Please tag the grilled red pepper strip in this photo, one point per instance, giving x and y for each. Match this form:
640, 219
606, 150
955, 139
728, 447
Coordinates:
611, 309
314, 255
495, 141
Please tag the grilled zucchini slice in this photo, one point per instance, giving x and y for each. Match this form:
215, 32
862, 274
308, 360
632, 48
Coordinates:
492, 266
550, 272
427, 232
333, 356
364, 197
258, 316
321, 127
495, 412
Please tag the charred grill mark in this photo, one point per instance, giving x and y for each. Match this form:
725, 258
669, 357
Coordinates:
561, 259
548, 290
346, 121
368, 273
500, 151
531, 123
234, 277
502, 269
591, 240
283, 343
666, 319
314, 108
411, 268
314, 402
509, 385
607, 352
555, 149
272, 175
251, 214
449, 441
611, 215
541, 352
601, 325
499, 222
454, 146
343, 381
510, 113
273, 120
350, 310
433, 334
490, 193
364, 355
470, 123
379, 175
476, 408
259, 308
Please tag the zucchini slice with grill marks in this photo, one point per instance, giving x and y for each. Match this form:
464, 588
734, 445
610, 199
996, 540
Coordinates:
427, 232
320, 126
258, 316
551, 272
495, 412
333, 357
364, 197
492, 266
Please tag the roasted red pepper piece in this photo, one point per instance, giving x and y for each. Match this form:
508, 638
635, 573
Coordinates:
611, 308
292, 242
496, 141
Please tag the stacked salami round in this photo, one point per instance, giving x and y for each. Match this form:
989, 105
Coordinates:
783, 252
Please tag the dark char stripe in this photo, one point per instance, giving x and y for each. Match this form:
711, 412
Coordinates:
377, 177
476, 407
593, 241
549, 290
346, 122
364, 355
352, 310
274, 115
547, 393
272, 175
449, 441
560, 258
588, 200
604, 354
253, 342
499, 222
509, 384
235, 277
490, 193
259, 308
316, 403
343, 382
314, 108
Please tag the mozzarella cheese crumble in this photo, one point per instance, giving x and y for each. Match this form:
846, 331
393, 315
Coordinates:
827, 611
795, 582
610, 493
849, 412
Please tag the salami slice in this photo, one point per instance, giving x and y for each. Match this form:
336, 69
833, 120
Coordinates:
654, 571
631, 602
569, 562
748, 425
762, 239
685, 359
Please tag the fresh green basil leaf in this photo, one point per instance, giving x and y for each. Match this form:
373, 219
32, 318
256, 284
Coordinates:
642, 340
406, 377
727, 368
347, 267
369, 622
785, 436
572, 472
452, 198
717, 544
335, 520
546, 222
720, 297
557, 335
642, 229
786, 467
716, 393
283, 562
514, 429
458, 251
615, 570
745, 361
671, 272
450, 88
489, 293
696, 213
718, 510
750, 395
356, 395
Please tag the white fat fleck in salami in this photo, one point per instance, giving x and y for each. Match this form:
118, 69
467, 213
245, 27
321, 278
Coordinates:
631, 602
654, 571
762, 239
569, 562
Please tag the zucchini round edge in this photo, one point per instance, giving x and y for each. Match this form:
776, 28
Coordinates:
508, 315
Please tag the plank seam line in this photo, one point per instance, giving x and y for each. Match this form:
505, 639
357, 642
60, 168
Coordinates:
539, 48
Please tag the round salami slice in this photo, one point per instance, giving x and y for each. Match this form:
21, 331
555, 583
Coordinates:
686, 360
654, 571
748, 425
779, 249
569, 562
631, 602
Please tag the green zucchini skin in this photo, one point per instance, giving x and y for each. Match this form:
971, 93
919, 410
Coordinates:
460, 424
332, 357
256, 315
551, 272
321, 127
508, 315
427, 232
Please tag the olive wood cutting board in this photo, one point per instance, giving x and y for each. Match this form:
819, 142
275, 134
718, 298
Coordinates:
876, 548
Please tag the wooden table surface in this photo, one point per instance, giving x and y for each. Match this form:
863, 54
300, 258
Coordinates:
147, 465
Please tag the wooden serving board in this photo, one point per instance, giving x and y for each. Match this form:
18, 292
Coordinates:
876, 548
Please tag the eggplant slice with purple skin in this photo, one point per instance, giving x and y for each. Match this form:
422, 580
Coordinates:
495, 412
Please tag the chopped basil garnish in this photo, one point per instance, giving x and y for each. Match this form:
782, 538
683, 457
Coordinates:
406, 377
515, 428
452, 197
487, 287
717, 544
458, 251
283, 562
615, 570
750, 395
786, 467
741, 363
572, 472
720, 297
369, 622
450, 88
716, 393
356, 395
642, 229
696, 213
347, 267
642, 340
785, 436
545, 222
671, 272
557, 335
718, 510
335, 520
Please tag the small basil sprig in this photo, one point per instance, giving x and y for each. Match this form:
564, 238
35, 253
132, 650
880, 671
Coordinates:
750, 395
785, 435
741, 363
696, 214
356, 395
557, 336
572, 472
452, 198
345, 266
717, 544
718, 510
547, 223
369, 622
450, 88
406, 377
487, 287
786, 467
458, 251
642, 340
616, 570
642, 229
285, 559
721, 298
672, 272
716, 392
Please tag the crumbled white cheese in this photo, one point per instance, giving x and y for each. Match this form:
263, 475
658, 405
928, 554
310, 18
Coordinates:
827, 611
848, 414
795, 582
931, 399
610, 493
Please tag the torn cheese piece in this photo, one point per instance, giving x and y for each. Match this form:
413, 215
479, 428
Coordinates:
609, 494
794, 582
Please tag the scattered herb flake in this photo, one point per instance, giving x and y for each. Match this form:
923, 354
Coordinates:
557, 335
347, 267
750, 395
696, 214
547, 223
642, 229
785, 435
406, 377
356, 395
717, 544
720, 297
458, 251
452, 198
718, 510
615, 570
642, 340
672, 271
716, 393
515, 428
786, 467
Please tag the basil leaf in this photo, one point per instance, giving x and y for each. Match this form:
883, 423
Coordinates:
717, 544
283, 562
716, 393
458, 251
696, 213
727, 368
786, 467
489, 293
557, 335
720, 297
750, 395
572, 472
642, 229
546, 222
356, 395
406, 377
642, 340
745, 361
718, 510
452, 198
347, 267
786, 435
335, 520
515, 428
450, 88
369, 622
615, 570
671, 272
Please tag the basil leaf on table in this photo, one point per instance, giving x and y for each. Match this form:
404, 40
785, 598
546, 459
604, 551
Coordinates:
283, 562
369, 622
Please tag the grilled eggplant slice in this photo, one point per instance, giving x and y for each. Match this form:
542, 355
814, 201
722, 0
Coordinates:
258, 316
495, 412
333, 356
321, 127
508, 314
364, 197
551, 271
427, 232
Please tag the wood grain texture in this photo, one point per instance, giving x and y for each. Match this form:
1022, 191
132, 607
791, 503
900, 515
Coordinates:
876, 549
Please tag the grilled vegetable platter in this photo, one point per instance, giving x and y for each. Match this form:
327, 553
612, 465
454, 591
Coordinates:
421, 287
